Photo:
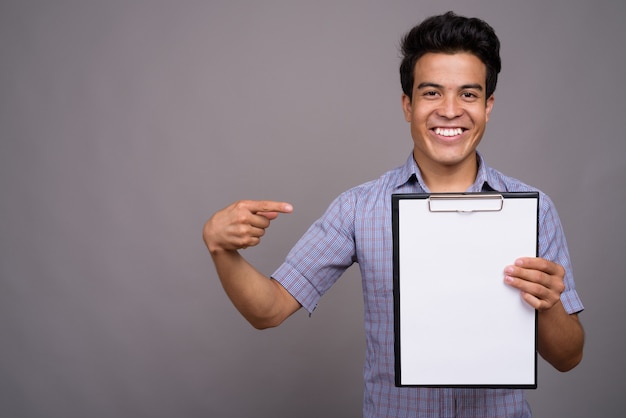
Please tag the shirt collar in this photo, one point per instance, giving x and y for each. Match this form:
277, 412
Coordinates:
409, 172
484, 182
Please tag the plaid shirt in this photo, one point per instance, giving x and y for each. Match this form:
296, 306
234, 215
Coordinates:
357, 228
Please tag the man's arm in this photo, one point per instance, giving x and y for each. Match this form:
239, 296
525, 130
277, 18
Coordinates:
261, 300
561, 336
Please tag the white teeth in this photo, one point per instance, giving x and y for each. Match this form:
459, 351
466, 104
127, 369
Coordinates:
448, 131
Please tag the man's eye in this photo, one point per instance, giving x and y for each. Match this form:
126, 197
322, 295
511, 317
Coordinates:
468, 95
430, 93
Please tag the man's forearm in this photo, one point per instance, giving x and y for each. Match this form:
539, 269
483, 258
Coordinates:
561, 338
262, 301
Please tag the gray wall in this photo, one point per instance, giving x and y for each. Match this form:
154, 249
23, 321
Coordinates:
125, 125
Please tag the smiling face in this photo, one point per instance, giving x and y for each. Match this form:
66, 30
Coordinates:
448, 114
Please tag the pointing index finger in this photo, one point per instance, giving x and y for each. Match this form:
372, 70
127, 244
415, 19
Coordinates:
270, 206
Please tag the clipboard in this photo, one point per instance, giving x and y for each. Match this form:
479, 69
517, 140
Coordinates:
456, 323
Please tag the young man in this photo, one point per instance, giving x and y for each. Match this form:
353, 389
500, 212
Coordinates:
448, 75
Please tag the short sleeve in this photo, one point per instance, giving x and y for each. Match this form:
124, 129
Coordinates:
553, 247
323, 253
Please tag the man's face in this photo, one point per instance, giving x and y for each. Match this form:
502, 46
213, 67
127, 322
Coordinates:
448, 112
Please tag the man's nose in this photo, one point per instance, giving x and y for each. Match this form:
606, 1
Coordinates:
450, 107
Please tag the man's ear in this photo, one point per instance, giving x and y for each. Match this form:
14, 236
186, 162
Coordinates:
489, 107
407, 108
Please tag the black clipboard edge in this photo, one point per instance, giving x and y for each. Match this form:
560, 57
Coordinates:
395, 213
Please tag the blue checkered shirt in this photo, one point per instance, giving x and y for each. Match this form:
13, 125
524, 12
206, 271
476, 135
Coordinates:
357, 228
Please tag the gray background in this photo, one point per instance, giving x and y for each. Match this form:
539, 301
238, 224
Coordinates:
125, 125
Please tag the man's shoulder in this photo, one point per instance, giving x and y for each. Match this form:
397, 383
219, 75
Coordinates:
384, 184
504, 183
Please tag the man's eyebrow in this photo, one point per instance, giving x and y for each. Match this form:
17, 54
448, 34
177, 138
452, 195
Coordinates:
472, 86
427, 84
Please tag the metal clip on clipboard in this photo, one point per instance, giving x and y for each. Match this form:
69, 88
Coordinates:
465, 203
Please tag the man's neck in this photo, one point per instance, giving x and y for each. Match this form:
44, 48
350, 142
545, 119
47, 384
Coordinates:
450, 179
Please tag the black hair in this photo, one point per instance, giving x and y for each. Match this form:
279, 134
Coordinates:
450, 33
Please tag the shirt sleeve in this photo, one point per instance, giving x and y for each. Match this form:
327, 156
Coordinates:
553, 247
323, 253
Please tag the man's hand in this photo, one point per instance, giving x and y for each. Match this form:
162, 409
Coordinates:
561, 336
539, 280
261, 300
241, 224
